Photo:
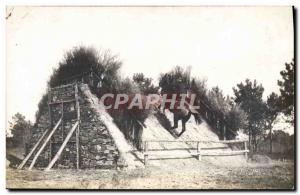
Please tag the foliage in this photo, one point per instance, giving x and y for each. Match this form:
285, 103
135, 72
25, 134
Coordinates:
80, 60
179, 81
145, 84
287, 87
249, 96
236, 118
199, 88
105, 66
18, 127
218, 101
273, 109
175, 81
285, 139
42, 103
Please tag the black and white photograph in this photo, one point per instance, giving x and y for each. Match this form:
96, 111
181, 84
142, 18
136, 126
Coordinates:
150, 97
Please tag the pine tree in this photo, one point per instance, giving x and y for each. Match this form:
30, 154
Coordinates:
287, 89
19, 129
249, 96
272, 111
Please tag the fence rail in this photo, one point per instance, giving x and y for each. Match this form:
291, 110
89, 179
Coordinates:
199, 150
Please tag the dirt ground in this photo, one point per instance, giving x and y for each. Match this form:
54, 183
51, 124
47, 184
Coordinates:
278, 175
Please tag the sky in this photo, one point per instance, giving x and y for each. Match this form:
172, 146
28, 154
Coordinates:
224, 45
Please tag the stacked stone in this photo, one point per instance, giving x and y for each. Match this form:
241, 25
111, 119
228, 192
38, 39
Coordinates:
42, 125
68, 111
98, 149
62, 93
96, 146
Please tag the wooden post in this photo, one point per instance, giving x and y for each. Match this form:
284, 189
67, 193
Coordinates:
245, 145
224, 131
44, 144
50, 119
32, 150
49, 107
199, 151
77, 130
91, 79
224, 127
62, 120
57, 155
145, 153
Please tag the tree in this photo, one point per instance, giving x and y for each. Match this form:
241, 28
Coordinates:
249, 96
218, 101
287, 89
199, 87
145, 84
236, 118
81, 60
19, 128
272, 111
175, 81
231, 114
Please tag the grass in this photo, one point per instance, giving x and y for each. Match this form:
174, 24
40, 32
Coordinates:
255, 176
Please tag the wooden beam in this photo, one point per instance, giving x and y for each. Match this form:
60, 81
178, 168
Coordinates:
224, 132
199, 151
44, 144
33, 149
62, 120
146, 153
50, 118
246, 153
62, 86
225, 153
191, 141
49, 107
57, 155
77, 130
193, 154
63, 101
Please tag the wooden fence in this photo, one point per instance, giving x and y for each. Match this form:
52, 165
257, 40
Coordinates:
198, 150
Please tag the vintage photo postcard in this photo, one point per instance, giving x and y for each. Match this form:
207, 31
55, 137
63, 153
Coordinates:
151, 98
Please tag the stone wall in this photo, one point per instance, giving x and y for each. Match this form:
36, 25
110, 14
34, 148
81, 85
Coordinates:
97, 149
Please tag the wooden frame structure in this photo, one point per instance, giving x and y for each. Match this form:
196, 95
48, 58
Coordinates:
76, 126
48, 134
33, 150
198, 153
57, 155
44, 144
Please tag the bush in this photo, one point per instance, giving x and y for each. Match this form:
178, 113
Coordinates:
236, 118
179, 80
175, 81
43, 102
217, 100
144, 84
80, 60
